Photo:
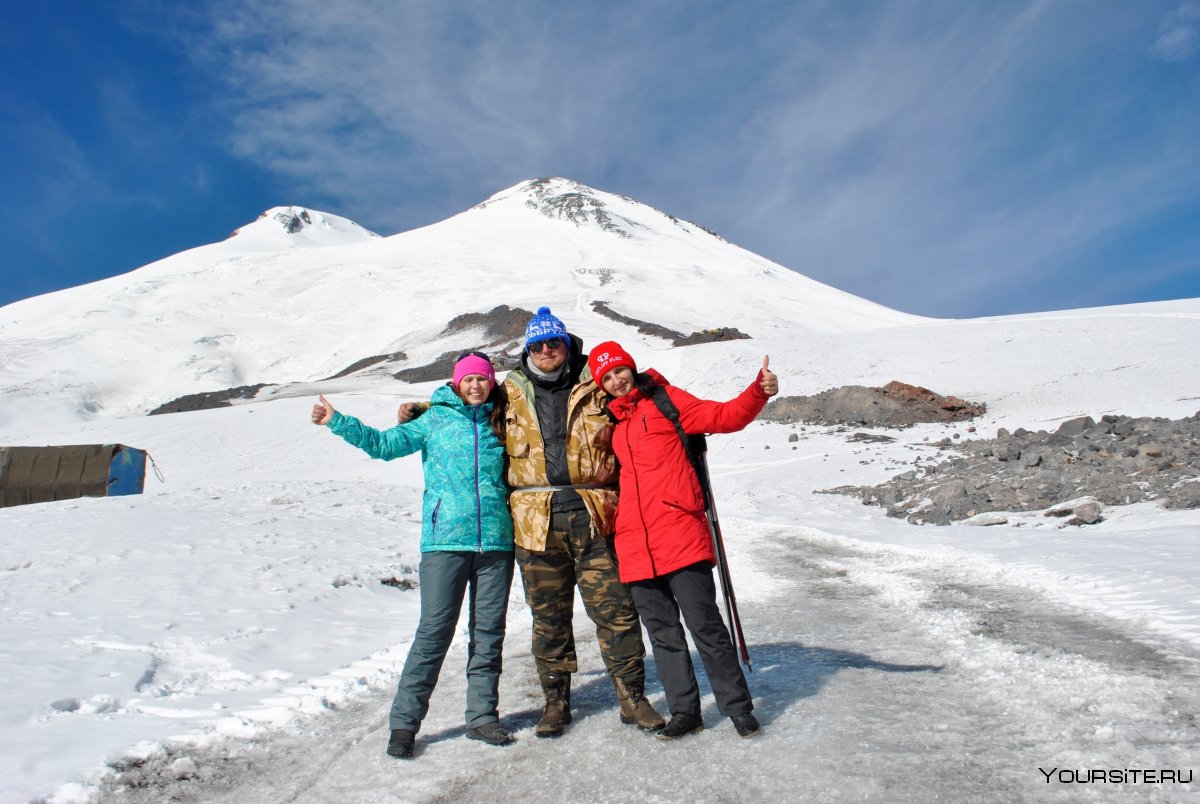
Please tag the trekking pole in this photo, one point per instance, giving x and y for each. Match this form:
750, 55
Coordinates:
714, 529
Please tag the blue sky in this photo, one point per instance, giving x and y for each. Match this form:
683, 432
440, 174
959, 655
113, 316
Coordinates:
950, 159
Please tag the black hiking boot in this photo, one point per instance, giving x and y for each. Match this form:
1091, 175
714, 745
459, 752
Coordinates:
681, 725
401, 743
746, 725
557, 712
492, 733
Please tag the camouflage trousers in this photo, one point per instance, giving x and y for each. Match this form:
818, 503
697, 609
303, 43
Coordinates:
573, 558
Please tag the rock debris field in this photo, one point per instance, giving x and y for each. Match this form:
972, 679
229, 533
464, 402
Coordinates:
1072, 472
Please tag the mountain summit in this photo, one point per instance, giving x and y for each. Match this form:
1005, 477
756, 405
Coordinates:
283, 227
299, 295
567, 200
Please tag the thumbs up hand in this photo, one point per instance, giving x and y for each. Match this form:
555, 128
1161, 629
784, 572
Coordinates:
322, 412
768, 382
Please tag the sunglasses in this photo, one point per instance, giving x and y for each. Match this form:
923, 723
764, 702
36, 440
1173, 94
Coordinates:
552, 343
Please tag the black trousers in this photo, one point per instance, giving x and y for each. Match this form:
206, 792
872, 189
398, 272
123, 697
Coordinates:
691, 591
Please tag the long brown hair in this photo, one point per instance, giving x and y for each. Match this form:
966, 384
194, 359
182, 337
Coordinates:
499, 399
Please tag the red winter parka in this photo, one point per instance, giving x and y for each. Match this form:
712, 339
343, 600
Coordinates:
661, 525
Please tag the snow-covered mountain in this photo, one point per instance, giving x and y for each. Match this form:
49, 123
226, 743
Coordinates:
299, 295
235, 632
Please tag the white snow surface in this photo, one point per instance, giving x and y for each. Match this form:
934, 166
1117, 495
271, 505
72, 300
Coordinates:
250, 606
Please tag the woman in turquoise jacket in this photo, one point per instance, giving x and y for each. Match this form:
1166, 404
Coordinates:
466, 542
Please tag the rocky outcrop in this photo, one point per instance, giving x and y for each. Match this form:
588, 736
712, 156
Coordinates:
500, 324
293, 220
367, 362
916, 396
1115, 461
496, 333
556, 197
896, 404
676, 338
569, 201
209, 399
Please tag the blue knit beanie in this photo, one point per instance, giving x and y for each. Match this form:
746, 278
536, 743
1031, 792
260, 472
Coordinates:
543, 327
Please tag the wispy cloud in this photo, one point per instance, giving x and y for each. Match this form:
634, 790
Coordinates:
957, 165
1179, 34
366, 99
937, 158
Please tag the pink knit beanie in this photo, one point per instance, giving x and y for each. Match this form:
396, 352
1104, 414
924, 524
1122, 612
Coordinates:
474, 363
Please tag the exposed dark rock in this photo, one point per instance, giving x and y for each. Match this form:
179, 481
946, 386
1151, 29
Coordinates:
1129, 460
684, 223
676, 338
712, 336
643, 327
868, 438
895, 405
495, 333
209, 399
293, 221
957, 408
440, 369
1088, 513
577, 206
366, 362
501, 323
561, 198
1073, 427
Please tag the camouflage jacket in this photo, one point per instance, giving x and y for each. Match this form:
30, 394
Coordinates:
589, 457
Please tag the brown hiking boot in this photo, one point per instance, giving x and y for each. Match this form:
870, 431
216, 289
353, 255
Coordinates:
557, 689
635, 709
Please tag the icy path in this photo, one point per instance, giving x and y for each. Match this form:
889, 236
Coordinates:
877, 678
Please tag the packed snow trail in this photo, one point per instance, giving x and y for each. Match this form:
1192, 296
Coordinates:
878, 676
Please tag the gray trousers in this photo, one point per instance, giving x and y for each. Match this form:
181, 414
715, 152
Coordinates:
691, 591
446, 578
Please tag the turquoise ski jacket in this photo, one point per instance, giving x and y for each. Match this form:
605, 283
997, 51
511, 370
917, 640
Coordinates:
465, 505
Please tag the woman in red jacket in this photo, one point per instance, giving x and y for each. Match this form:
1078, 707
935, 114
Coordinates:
664, 550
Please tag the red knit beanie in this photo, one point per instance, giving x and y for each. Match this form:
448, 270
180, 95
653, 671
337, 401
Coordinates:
606, 357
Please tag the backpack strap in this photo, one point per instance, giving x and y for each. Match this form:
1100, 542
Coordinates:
695, 445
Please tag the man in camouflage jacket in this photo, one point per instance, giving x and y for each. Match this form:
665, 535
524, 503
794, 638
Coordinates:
563, 480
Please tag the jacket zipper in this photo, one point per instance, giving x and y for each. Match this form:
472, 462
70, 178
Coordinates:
638, 486
478, 496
